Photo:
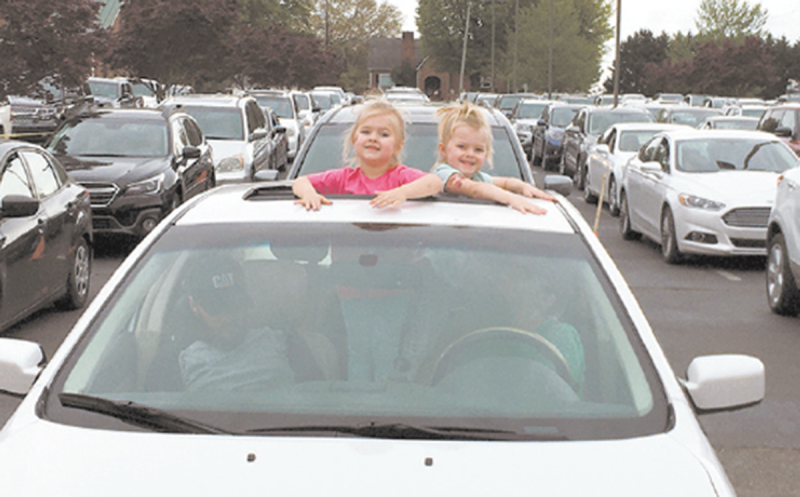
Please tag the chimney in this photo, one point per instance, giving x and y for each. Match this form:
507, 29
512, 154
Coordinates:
407, 51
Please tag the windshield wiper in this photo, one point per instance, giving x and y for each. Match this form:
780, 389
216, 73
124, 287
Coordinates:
136, 414
404, 431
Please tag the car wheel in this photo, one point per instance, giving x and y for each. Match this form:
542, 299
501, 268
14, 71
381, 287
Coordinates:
613, 203
580, 175
562, 166
625, 228
669, 242
588, 196
78, 277
782, 292
537, 158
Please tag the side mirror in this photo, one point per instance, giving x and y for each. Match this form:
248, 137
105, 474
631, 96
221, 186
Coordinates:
258, 134
279, 129
541, 122
783, 132
265, 175
602, 148
191, 153
725, 381
559, 184
19, 206
652, 168
21, 362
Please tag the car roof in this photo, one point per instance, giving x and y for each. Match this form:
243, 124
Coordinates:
704, 134
122, 114
416, 112
211, 100
646, 126
245, 204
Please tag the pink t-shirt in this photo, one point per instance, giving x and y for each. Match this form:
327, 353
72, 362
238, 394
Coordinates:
351, 180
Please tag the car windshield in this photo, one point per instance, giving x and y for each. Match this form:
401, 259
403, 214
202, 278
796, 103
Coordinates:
747, 124
323, 101
728, 154
325, 150
218, 123
281, 105
104, 89
268, 328
632, 141
601, 121
531, 110
691, 117
112, 138
561, 116
142, 90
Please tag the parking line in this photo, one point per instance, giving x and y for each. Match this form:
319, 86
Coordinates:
728, 276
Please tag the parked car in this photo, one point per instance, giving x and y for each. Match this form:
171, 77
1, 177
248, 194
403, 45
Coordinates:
304, 106
581, 134
324, 101
508, 101
614, 148
138, 164
340, 98
749, 110
147, 91
442, 345
703, 192
114, 92
238, 131
784, 122
729, 122
46, 233
549, 132
33, 118
525, 117
487, 99
683, 114
5, 119
783, 246
668, 98
323, 148
282, 105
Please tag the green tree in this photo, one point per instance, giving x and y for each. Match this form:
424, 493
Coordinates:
346, 26
290, 15
639, 50
47, 38
730, 19
404, 74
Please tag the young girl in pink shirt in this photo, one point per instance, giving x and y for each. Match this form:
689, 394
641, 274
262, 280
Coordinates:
377, 138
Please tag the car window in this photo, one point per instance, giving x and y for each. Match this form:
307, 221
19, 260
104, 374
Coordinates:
420, 150
193, 132
789, 120
14, 179
727, 154
112, 137
179, 135
648, 152
771, 120
280, 104
632, 141
44, 176
530, 110
218, 123
661, 154
418, 324
255, 117
561, 116
104, 89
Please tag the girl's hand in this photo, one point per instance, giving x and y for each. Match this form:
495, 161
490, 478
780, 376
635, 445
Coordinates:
531, 191
525, 206
389, 198
313, 201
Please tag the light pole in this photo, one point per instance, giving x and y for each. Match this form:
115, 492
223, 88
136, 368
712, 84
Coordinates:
617, 63
464, 52
550, 58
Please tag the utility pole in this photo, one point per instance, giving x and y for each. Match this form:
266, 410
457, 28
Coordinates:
617, 62
516, 44
550, 58
464, 52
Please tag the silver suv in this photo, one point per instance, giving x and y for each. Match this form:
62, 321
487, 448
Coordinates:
783, 246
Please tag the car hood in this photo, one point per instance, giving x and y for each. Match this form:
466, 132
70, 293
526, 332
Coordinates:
44, 458
754, 188
119, 170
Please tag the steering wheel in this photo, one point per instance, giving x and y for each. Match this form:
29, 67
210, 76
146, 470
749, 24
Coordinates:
447, 359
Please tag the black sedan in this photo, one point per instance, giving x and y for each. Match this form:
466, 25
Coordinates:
45, 234
138, 164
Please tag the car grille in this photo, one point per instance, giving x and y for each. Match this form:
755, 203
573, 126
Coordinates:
748, 243
756, 217
101, 194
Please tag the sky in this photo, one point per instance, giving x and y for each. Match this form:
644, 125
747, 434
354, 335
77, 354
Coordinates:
672, 16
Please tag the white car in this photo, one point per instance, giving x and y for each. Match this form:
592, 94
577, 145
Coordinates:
609, 155
783, 246
283, 106
250, 346
5, 120
703, 192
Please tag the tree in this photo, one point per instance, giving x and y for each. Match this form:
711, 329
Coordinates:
404, 74
636, 53
346, 26
176, 41
290, 15
47, 38
786, 62
730, 19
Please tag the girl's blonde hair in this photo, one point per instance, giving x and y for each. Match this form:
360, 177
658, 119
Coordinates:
375, 107
466, 114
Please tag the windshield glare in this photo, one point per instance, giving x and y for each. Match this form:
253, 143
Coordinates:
245, 327
709, 156
218, 123
113, 138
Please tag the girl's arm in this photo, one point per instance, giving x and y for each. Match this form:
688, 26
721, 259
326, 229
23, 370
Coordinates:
489, 191
518, 186
427, 185
307, 195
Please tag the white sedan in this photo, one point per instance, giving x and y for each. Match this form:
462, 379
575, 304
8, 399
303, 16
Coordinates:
703, 192
614, 148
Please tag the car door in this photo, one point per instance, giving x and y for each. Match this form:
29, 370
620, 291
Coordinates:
262, 146
572, 141
21, 238
187, 167
637, 184
654, 187
600, 159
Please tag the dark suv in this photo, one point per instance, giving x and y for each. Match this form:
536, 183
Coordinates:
783, 121
138, 164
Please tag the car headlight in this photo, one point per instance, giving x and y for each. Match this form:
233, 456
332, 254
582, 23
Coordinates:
700, 202
150, 186
231, 164
290, 131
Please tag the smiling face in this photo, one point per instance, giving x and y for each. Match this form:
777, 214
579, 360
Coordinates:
377, 144
466, 150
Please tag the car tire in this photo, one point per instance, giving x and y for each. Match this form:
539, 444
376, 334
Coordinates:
613, 202
580, 174
537, 160
625, 228
782, 292
669, 241
588, 195
78, 277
